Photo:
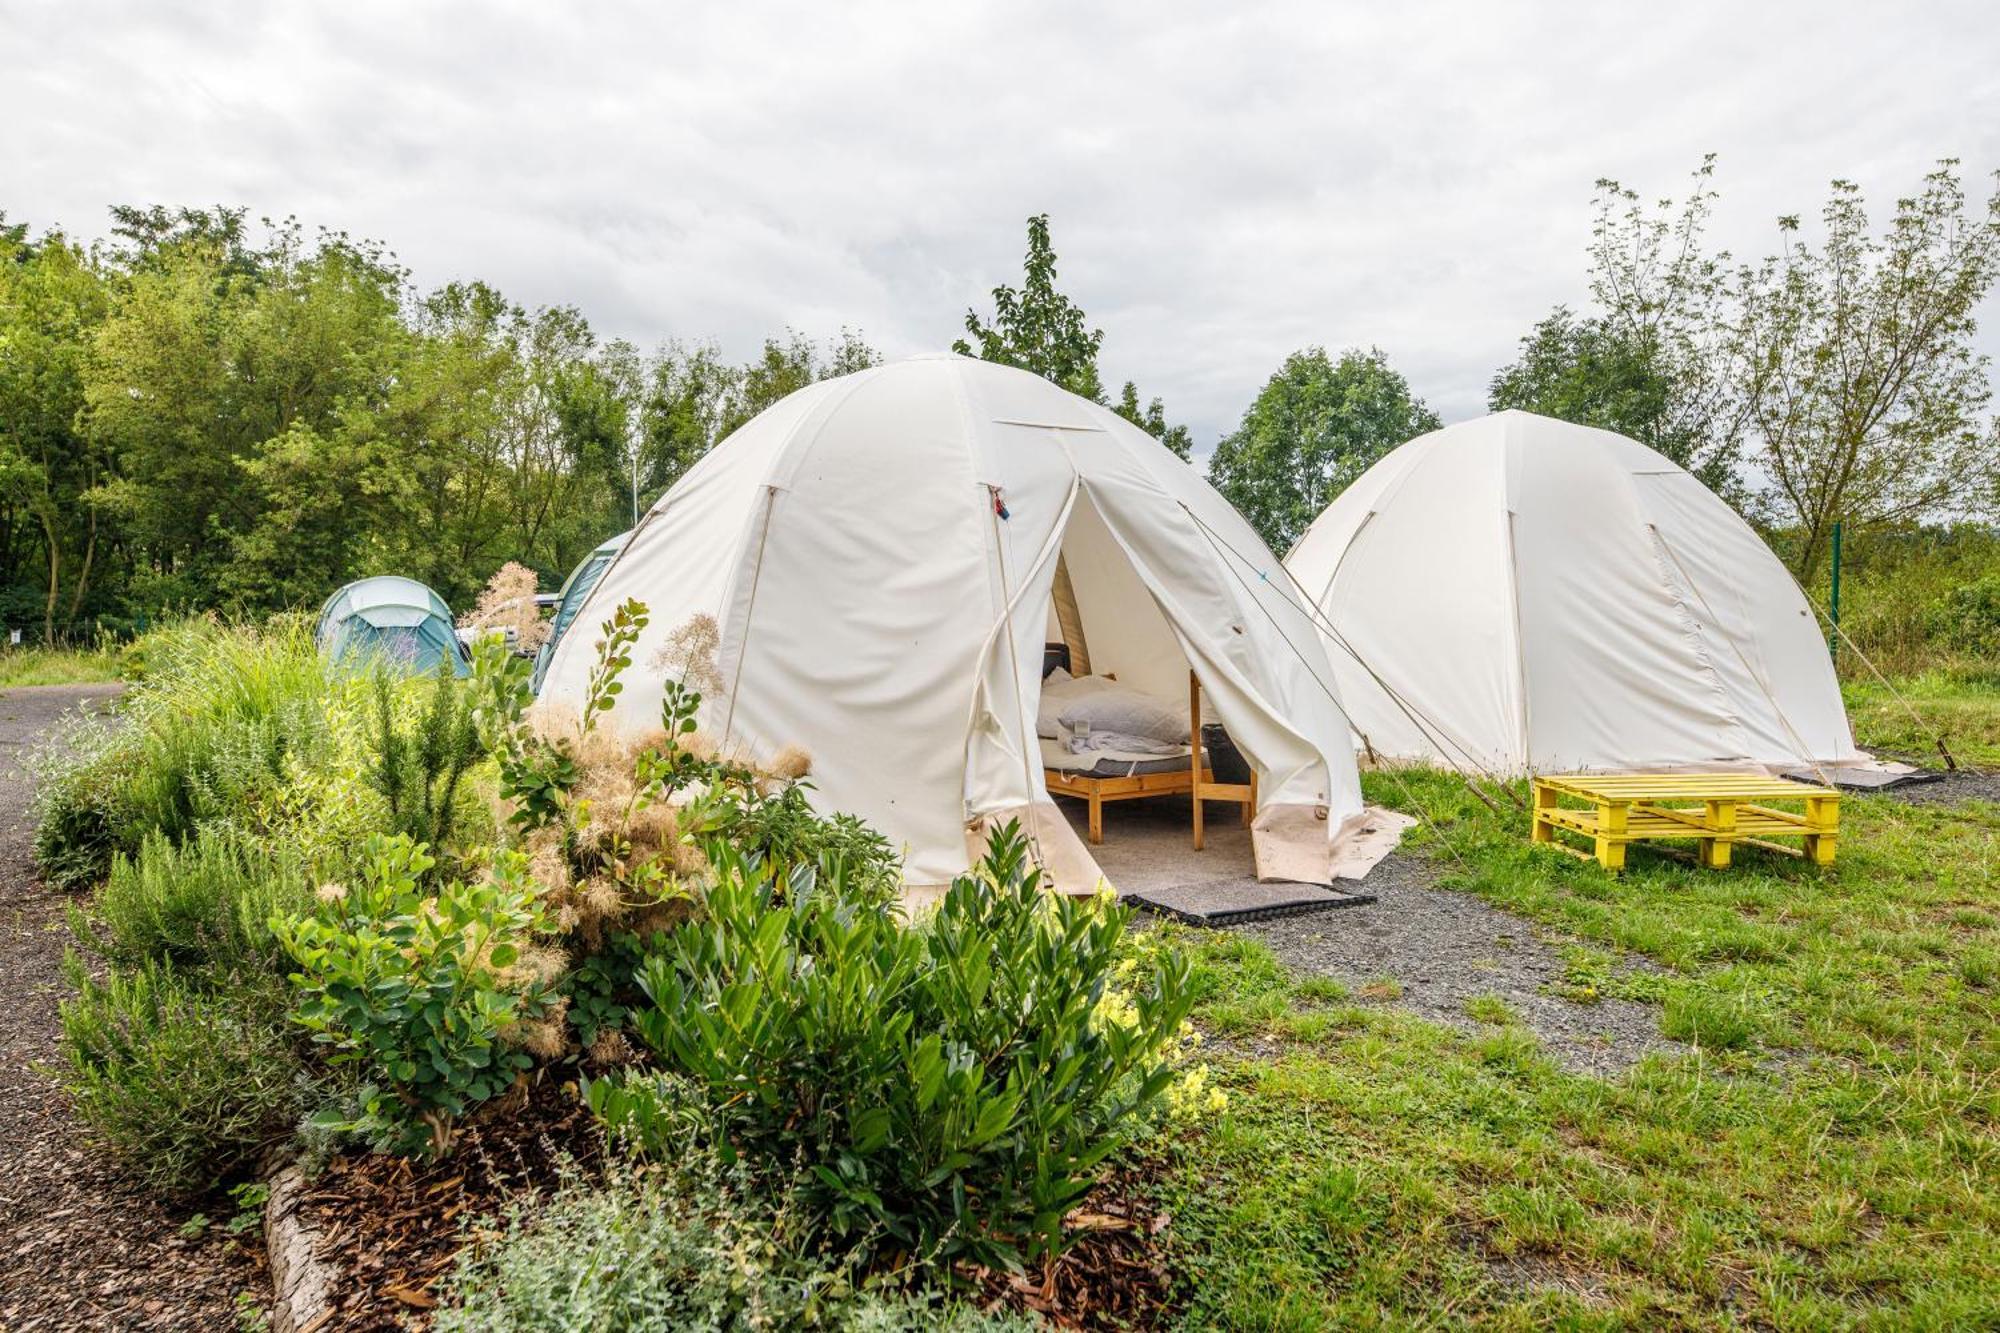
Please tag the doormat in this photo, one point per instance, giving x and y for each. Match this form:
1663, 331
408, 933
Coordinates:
1228, 902
1865, 779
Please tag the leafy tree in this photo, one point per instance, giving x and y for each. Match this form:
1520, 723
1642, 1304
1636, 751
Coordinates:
1040, 330
1316, 425
1037, 328
1586, 370
1861, 375
1153, 420
686, 403
693, 399
1666, 303
200, 410
202, 361
51, 303
788, 365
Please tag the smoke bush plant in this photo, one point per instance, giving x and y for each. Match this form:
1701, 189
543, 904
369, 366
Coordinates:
951, 1086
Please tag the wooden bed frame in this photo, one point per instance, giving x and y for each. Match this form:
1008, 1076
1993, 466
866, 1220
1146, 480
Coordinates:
1197, 780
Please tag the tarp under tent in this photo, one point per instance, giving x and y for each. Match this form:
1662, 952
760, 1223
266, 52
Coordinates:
570, 599
881, 552
390, 619
1518, 594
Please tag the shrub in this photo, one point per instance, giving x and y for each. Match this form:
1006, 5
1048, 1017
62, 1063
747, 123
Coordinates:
186, 1085
618, 832
234, 726
682, 1251
205, 905
782, 830
223, 714
435, 998
418, 769
1968, 617
951, 1086
76, 810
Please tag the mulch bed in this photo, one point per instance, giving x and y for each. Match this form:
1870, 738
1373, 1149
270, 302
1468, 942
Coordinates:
1114, 1274
392, 1229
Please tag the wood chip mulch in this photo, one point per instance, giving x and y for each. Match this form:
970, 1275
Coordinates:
392, 1228
1114, 1274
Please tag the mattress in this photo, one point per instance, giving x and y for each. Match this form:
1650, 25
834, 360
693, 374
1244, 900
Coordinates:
1109, 763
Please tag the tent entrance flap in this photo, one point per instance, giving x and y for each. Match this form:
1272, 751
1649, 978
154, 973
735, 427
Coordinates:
1180, 647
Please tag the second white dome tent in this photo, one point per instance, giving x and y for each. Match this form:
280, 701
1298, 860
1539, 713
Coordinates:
880, 552
1518, 594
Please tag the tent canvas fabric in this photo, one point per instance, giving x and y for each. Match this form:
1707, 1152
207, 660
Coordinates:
1519, 594
392, 619
880, 551
571, 597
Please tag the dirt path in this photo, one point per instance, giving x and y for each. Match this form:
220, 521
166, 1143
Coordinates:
79, 1247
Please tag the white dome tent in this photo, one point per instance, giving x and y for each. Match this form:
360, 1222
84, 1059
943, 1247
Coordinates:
1518, 594
880, 553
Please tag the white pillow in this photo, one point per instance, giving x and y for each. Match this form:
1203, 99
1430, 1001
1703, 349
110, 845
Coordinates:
1126, 712
1058, 692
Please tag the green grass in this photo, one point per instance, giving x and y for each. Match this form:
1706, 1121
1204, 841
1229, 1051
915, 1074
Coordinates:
1962, 703
56, 666
1826, 1154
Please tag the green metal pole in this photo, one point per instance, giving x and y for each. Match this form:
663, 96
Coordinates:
1833, 609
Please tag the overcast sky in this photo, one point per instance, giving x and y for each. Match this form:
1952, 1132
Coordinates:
1227, 183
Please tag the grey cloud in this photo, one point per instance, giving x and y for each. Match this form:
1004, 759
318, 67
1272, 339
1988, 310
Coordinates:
1227, 183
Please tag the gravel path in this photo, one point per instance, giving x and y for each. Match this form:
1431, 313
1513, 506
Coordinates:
80, 1248
1961, 785
1443, 949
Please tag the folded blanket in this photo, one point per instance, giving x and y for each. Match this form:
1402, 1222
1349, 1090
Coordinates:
1123, 742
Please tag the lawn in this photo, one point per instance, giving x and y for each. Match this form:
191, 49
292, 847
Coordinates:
56, 666
1824, 1156
1962, 703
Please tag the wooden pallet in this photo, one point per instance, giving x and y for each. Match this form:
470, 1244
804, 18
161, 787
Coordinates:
1716, 810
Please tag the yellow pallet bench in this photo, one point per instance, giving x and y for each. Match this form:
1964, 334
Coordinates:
1717, 810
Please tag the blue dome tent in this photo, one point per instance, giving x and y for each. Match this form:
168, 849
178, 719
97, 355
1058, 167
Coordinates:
393, 619
576, 588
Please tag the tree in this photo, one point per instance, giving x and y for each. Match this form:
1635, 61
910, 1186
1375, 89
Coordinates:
1037, 328
1589, 371
1665, 302
1153, 420
787, 365
52, 301
1040, 330
692, 399
686, 402
1315, 426
1861, 375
